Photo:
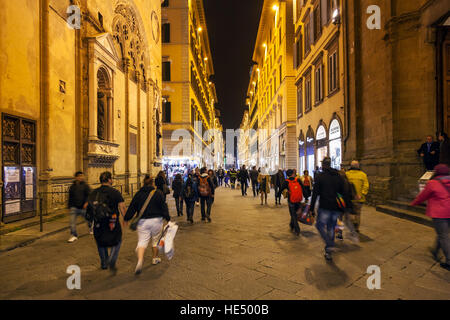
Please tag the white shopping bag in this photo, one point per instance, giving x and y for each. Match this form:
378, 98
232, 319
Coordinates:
167, 239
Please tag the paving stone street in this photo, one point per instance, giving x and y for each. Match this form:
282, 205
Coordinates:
247, 252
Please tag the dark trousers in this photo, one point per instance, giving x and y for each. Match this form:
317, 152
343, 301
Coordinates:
190, 205
111, 259
277, 198
179, 205
326, 224
293, 207
205, 205
244, 187
220, 181
255, 188
442, 227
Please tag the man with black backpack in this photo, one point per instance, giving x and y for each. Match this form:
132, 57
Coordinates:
206, 192
190, 196
295, 196
104, 205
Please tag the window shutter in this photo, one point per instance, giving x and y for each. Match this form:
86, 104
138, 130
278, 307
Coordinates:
295, 55
324, 11
169, 112
311, 28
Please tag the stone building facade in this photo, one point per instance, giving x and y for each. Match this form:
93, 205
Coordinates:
75, 97
397, 89
271, 91
189, 94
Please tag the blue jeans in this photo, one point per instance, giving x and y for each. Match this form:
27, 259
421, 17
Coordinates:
112, 258
74, 213
326, 223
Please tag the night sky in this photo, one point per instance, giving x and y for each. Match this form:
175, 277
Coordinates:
232, 29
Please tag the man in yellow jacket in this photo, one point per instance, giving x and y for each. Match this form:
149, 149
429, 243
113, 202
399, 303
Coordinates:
359, 180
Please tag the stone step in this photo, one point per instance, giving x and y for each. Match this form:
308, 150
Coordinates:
405, 214
406, 206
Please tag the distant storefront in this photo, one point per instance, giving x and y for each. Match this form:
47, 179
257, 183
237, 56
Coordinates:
335, 137
310, 151
302, 153
321, 145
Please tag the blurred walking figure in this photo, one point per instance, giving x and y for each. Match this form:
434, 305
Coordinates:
150, 226
347, 216
105, 205
295, 196
78, 201
162, 183
177, 185
206, 192
277, 181
307, 181
190, 196
361, 186
213, 178
221, 175
329, 186
437, 193
233, 176
243, 179
227, 180
254, 179
264, 186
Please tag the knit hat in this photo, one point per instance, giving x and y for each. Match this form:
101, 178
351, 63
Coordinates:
442, 170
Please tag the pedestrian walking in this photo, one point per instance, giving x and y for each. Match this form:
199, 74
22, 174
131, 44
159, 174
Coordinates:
190, 196
162, 184
329, 186
347, 217
264, 186
429, 151
150, 203
307, 181
437, 193
233, 176
444, 149
295, 196
254, 179
227, 180
78, 201
243, 179
221, 175
361, 186
277, 181
105, 206
213, 178
196, 178
177, 185
206, 192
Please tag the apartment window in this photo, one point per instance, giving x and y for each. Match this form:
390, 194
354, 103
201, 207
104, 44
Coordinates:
165, 4
308, 103
298, 52
281, 72
166, 71
318, 79
299, 99
317, 24
307, 37
333, 72
166, 32
279, 35
167, 111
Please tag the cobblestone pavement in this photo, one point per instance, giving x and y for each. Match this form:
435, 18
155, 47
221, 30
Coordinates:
247, 252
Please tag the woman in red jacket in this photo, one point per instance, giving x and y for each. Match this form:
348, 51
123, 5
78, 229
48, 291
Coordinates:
437, 193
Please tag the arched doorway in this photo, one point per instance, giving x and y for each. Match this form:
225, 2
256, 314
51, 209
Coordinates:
321, 144
310, 151
335, 138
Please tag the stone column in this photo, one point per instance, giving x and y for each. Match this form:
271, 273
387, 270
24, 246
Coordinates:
110, 118
139, 129
126, 63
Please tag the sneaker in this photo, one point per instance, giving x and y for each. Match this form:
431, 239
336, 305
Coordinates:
72, 239
446, 266
339, 236
209, 219
155, 261
328, 256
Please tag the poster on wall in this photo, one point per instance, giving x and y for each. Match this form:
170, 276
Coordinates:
12, 183
12, 207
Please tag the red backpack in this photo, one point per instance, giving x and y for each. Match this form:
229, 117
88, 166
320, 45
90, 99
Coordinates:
204, 188
295, 191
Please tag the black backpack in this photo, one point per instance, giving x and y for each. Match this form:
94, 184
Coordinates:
100, 209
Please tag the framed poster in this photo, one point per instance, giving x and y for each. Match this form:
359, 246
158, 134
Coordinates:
12, 183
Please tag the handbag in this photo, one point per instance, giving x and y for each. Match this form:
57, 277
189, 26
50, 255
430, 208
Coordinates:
137, 218
166, 189
305, 216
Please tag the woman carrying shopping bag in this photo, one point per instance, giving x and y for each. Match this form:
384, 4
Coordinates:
152, 210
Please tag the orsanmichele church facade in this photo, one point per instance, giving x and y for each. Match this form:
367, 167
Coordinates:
77, 99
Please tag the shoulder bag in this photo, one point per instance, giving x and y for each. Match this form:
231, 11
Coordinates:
137, 218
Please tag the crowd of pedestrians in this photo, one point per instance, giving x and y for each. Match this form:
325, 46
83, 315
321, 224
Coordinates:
331, 198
